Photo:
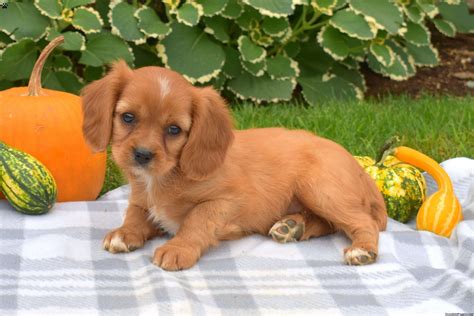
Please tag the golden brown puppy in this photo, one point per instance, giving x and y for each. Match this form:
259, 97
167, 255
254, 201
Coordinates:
202, 181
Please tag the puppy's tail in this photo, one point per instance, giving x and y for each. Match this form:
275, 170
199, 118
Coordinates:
378, 209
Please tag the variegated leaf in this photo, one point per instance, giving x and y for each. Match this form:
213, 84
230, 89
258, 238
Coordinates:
218, 27
189, 13
445, 27
417, 34
87, 20
124, 23
338, 44
324, 6
259, 89
257, 69
424, 55
272, 8
192, 53
383, 53
212, 7
250, 51
383, 14
73, 40
49, 8
353, 24
150, 24
233, 9
282, 67
275, 27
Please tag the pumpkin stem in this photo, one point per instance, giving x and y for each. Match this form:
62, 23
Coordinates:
34, 85
386, 149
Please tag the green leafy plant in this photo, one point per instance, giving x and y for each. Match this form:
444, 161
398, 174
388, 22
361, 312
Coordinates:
258, 50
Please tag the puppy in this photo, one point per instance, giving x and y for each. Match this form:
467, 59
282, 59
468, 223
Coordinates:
202, 181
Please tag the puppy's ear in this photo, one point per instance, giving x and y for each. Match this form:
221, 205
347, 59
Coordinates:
210, 135
98, 102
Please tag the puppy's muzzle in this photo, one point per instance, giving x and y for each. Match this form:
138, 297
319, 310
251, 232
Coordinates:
142, 156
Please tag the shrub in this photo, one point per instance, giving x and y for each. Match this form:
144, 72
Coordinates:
254, 49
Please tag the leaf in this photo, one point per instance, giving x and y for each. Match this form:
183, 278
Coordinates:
218, 27
275, 27
261, 88
312, 60
102, 6
103, 48
72, 40
417, 34
354, 25
191, 52
150, 24
4, 40
256, 69
445, 27
212, 7
18, 59
189, 13
233, 9
61, 62
232, 67
75, 3
49, 8
292, 49
428, 7
397, 71
338, 44
272, 8
406, 58
145, 56
353, 76
94, 73
324, 6
249, 19
5, 84
124, 24
458, 15
322, 88
87, 20
383, 53
13, 21
423, 55
282, 67
414, 13
250, 51
383, 13
62, 81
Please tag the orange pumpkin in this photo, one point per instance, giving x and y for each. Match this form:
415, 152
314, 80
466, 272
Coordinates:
47, 124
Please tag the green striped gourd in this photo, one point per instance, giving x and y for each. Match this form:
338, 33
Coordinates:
26, 183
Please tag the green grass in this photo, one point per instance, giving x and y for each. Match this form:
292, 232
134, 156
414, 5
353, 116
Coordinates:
439, 127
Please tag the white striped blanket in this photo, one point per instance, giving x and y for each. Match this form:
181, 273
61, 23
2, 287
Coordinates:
55, 264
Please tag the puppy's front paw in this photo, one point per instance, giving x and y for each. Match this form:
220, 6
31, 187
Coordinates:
175, 256
359, 256
123, 239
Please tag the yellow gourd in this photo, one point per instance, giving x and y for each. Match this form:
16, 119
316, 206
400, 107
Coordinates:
441, 211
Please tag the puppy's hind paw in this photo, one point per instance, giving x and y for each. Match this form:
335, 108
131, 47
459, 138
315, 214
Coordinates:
287, 230
359, 256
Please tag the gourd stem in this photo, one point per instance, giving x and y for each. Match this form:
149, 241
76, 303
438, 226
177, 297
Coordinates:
424, 162
34, 85
386, 149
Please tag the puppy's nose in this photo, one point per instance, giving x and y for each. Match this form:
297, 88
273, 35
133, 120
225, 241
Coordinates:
142, 156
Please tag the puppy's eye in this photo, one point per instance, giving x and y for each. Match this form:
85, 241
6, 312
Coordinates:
128, 118
173, 130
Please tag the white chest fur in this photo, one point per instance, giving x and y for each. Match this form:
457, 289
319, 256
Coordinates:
159, 217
